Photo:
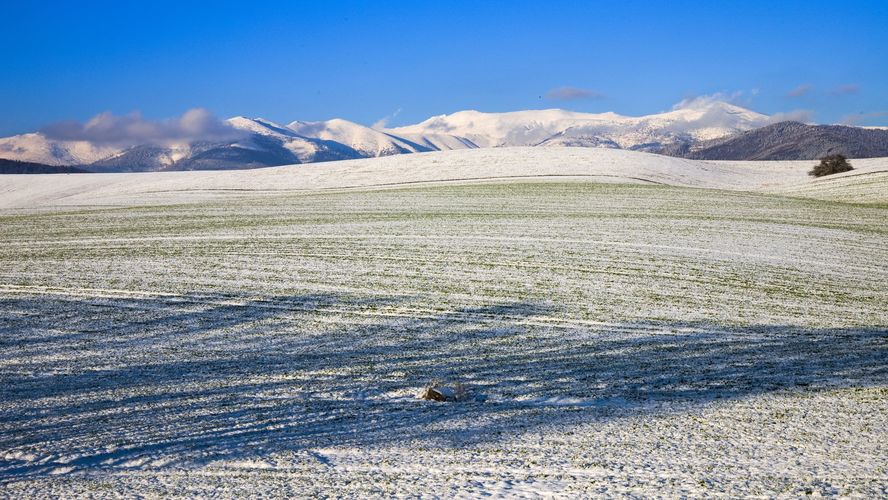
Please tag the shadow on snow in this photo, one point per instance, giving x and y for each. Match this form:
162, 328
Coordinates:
104, 383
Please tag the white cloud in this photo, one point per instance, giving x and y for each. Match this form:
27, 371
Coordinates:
801, 90
848, 88
573, 94
705, 101
858, 118
797, 115
383, 122
127, 130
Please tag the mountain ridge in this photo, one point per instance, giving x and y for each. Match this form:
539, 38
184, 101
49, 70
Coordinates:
794, 140
697, 129
24, 167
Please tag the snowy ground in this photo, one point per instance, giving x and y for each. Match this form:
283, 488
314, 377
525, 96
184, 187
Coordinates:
868, 183
630, 339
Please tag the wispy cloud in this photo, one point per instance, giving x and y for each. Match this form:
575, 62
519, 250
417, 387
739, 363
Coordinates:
714, 117
710, 113
848, 88
383, 122
798, 115
128, 130
573, 94
800, 91
859, 118
705, 101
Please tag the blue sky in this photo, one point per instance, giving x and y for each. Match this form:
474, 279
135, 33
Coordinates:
409, 60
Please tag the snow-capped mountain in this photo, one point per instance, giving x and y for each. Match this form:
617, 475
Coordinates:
556, 127
257, 142
35, 147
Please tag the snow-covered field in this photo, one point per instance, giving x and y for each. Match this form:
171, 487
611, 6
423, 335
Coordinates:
629, 324
868, 183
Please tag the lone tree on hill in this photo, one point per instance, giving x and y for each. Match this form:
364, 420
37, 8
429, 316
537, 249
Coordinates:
831, 164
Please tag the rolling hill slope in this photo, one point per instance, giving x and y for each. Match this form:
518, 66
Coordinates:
461, 166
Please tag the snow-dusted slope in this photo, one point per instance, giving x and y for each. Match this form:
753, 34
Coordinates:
556, 127
364, 140
261, 126
439, 142
476, 165
260, 143
300, 146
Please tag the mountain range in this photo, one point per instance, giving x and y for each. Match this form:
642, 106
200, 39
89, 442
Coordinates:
698, 129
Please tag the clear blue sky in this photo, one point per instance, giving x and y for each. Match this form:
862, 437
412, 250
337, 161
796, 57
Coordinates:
365, 60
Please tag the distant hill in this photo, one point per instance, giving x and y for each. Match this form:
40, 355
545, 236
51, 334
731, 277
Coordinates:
793, 141
24, 167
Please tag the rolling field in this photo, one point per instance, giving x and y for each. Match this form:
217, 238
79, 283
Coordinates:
616, 338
